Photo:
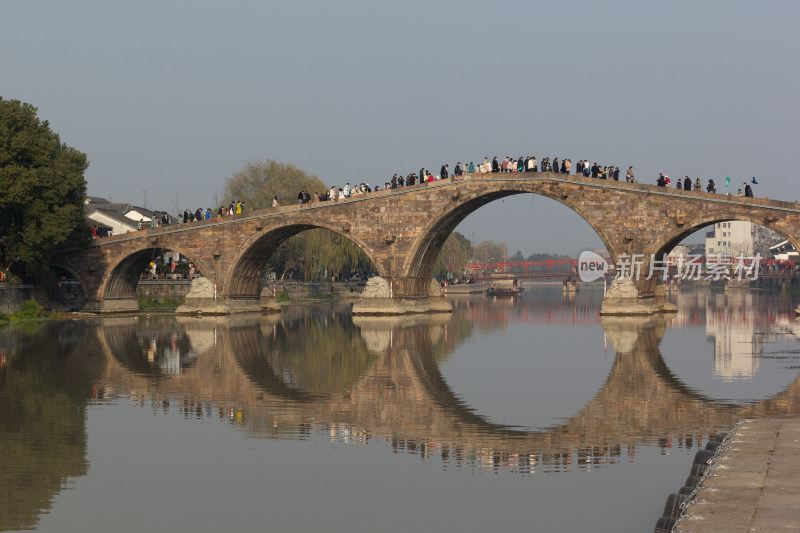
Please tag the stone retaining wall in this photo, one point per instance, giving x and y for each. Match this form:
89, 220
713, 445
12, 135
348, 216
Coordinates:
163, 289
12, 297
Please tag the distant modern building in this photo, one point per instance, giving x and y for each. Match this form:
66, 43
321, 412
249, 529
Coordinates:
783, 251
731, 238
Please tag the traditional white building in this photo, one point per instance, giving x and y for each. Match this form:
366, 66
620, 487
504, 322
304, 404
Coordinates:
119, 218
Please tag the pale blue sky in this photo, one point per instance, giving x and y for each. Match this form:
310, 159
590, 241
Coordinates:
168, 99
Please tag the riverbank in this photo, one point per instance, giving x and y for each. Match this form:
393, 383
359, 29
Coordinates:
754, 483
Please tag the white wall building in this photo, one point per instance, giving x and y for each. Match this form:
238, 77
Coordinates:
731, 238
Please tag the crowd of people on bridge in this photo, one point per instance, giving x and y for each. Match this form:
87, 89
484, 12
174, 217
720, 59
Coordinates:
529, 164
711, 187
522, 164
200, 214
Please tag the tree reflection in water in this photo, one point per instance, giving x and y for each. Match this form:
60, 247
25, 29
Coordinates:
46, 380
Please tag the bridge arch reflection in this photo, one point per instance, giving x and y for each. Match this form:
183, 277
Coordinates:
401, 396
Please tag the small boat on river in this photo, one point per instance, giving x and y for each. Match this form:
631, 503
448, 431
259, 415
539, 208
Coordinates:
504, 287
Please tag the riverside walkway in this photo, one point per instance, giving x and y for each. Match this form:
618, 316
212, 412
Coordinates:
754, 485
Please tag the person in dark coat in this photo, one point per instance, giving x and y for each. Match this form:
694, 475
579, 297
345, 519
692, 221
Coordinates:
495, 165
687, 184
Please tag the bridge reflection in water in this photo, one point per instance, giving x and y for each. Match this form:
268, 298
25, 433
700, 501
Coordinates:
319, 371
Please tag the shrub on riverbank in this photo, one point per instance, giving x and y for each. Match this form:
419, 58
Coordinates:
149, 303
321, 296
30, 311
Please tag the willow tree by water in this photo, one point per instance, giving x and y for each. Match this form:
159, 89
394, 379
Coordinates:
454, 255
313, 253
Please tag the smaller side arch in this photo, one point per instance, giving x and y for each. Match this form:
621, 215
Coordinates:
669, 240
73, 272
122, 276
244, 270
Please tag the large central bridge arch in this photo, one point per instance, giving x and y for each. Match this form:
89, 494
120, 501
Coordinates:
243, 278
422, 257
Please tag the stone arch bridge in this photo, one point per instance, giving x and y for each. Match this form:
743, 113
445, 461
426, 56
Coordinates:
403, 230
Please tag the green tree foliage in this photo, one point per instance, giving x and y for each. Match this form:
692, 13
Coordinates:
42, 188
490, 251
319, 250
258, 182
546, 257
455, 254
312, 252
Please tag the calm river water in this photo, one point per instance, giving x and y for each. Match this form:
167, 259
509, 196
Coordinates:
527, 414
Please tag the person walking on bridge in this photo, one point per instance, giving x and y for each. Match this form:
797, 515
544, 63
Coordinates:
495, 165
